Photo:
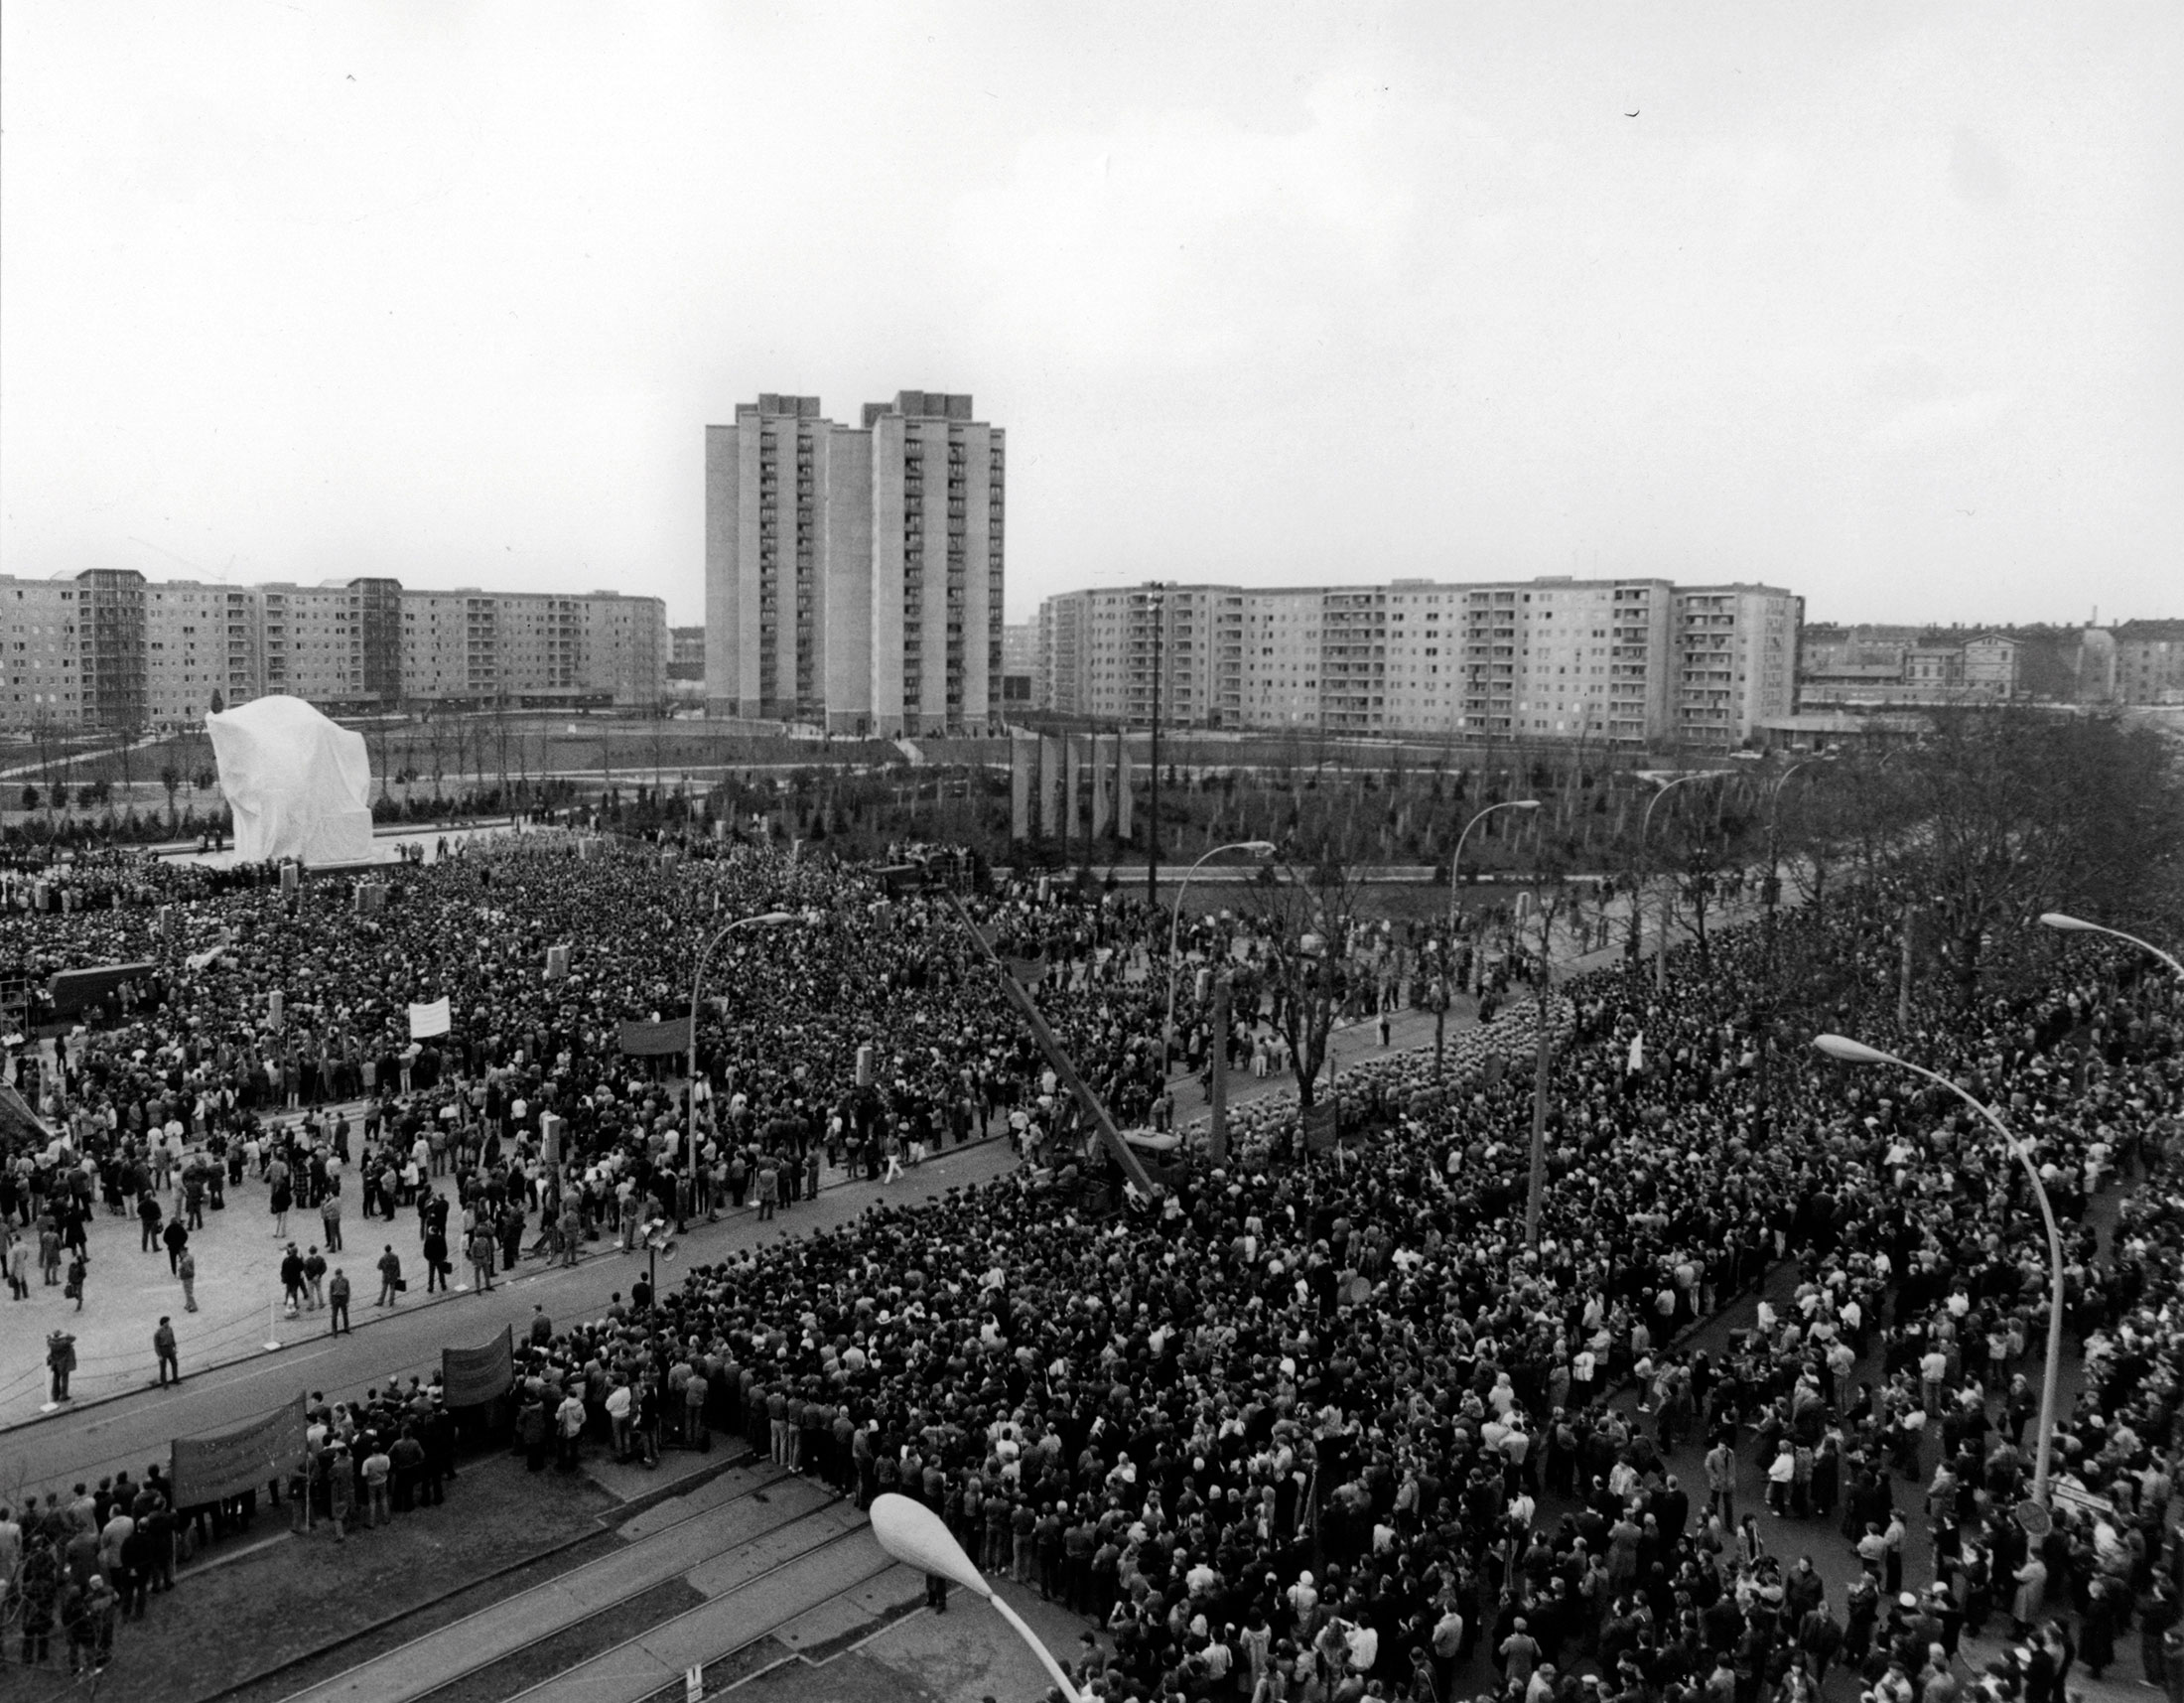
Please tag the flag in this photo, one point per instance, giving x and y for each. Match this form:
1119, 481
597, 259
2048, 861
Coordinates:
426, 1020
1637, 1052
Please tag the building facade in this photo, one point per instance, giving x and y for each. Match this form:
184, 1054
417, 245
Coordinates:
44, 657
1735, 660
2147, 662
855, 575
1629, 661
1878, 667
110, 649
1568, 658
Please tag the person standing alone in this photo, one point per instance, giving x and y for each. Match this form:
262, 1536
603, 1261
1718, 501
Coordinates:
163, 1344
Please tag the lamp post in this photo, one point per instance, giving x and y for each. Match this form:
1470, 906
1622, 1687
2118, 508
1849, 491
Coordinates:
1858, 1053
2074, 925
1771, 893
657, 1241
917, 1537
1661, 947
763, 919
1535, 1185
1157, 606
1257, 848
1456, 860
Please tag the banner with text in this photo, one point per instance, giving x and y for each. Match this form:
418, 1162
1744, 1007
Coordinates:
472, 1378
651, 1040
208, 1469
1322, 1127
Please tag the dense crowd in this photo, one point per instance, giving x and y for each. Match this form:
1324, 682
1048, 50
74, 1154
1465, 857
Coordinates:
1305, 1428
272, 1039
1292, 1434
79, 1566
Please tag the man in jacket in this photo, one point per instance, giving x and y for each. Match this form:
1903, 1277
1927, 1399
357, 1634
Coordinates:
60, 1361
337, 1297
163, 1344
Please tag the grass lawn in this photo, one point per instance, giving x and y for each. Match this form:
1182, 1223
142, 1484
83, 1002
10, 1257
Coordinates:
229, 1622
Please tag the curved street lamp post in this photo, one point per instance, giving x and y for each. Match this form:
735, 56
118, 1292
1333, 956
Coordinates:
917, 1537
1661, 947
1455, 865
1771, 896
1258, 848
2073, 925
1850, 1051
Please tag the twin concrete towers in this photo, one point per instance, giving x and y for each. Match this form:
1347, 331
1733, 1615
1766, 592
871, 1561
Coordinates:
852, 574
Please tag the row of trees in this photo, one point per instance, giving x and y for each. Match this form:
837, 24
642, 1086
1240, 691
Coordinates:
1964, 838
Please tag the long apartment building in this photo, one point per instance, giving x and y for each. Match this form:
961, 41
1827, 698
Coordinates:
112, 650
1633, 661
853, 574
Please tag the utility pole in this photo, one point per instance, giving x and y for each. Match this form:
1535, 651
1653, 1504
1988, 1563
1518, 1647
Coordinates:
1536, 1185
1157, 607
1217, 1100
1903, 979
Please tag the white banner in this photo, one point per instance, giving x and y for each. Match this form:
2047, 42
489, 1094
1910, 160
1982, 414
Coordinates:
426, 1020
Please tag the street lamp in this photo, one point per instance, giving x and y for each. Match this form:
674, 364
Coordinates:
1157, 606
917, 1537
1661, 947
1772, 894
657, 1241
2073, 925
1257, 848
1852, 1052
763, 919
1456, 862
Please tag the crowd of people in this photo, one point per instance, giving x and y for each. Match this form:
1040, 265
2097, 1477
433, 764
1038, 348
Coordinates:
78, 1566
1307, 1427
269, 1040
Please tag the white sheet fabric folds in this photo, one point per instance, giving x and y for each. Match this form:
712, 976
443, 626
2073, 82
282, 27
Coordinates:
300, 785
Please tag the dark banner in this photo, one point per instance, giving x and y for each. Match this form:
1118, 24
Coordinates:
18, 1123
651, 1040
474, 1376
206, 1469
1321, 1127
75, 991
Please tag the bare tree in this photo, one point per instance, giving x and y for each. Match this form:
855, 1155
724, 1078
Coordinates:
2019, 811
1307, 919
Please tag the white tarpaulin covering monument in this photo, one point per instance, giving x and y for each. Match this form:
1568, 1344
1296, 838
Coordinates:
300, 786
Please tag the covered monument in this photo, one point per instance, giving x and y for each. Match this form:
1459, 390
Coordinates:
300, 785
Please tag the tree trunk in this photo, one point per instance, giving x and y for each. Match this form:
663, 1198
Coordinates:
1967, 965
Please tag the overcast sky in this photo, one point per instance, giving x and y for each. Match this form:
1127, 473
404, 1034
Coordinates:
1881, 303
